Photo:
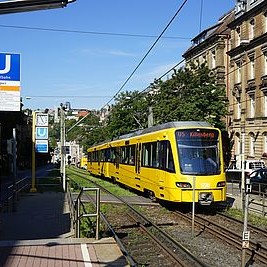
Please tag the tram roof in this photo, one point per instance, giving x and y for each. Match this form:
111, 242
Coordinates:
167, 125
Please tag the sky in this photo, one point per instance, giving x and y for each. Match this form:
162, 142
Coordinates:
85, 52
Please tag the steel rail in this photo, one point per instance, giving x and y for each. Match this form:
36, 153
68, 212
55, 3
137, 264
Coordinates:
227, 235
184, 251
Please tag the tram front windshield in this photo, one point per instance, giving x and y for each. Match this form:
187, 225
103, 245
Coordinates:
198, 151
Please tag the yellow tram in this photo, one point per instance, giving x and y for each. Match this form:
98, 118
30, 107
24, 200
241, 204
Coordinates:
168, 162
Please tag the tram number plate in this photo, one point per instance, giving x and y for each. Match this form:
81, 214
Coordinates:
205, 185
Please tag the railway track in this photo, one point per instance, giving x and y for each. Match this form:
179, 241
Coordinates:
169, 251
169, 225
232, 237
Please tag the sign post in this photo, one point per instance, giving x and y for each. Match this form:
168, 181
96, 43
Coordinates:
33, 188
39, 140
9, 82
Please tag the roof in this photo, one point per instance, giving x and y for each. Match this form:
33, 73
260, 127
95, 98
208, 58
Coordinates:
220, 28
168, 125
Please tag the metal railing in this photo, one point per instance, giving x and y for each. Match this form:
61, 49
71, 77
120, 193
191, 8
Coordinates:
78, 209
9, 194
257, 197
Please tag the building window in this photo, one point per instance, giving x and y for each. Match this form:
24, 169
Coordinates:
264, 135
213, 59
238, 108
237, 151
238, 72
238, 36
265, 106
251, 68
252, 106
251, 29
251, 144
265, 63
203, 59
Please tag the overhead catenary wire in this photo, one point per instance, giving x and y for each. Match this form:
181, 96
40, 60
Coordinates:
139, 64
91, 32
148, 52
177, 66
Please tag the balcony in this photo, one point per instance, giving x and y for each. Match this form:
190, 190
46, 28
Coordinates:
263, 85
251, 86
237, 90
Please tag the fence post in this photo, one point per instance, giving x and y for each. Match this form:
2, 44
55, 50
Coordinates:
263, 204
78, 218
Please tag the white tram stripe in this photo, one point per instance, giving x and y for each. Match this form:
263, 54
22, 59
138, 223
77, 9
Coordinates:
86, 256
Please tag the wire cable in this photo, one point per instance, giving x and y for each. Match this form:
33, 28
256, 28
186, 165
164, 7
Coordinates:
148, 52
91, 32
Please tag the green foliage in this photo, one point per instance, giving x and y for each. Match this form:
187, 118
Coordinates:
86, 133
127, 114
191, 94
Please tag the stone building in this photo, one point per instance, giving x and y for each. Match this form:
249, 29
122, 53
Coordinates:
248, 80
211, 47
236, 50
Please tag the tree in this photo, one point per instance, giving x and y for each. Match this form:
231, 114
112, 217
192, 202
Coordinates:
82, 133
127, 114
191, 94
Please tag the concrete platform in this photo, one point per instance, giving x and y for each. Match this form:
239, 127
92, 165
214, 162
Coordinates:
39, 233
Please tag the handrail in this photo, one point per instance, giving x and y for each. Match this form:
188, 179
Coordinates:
75, 207
12, 190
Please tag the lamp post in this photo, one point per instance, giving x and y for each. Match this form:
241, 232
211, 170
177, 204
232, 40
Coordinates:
62, 144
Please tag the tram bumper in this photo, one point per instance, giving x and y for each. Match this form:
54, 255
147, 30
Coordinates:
205, 198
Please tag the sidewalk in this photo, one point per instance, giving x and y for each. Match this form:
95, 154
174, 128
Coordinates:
37, 216
37, 234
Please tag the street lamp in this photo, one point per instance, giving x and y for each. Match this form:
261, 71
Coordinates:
15, 6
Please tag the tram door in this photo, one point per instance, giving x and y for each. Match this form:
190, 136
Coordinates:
137, 159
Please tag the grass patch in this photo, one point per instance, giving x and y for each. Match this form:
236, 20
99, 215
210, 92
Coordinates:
52, 182
253, 218
90, 181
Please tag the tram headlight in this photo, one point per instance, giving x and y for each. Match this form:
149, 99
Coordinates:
221, 184
183, 185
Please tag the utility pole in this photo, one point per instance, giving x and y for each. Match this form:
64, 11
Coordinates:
245, 190
33, 188
63, 148
243, 167
150, 117
14, 152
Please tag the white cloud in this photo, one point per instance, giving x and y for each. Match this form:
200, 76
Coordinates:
98, 52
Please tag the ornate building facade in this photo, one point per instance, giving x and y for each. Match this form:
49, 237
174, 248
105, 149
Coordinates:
248, 80
236, 50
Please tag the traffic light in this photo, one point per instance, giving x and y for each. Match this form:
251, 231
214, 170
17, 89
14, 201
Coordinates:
69, 159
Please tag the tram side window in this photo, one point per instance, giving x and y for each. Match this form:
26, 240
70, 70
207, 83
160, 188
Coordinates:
169, 160
150, 155
146, 158
101, 155
112, 155
117, 152
124, 159
165, 156
89, 156
128, 154
95, 156
132, 154
107, 154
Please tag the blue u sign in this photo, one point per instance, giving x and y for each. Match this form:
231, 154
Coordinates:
41, 132
9, 67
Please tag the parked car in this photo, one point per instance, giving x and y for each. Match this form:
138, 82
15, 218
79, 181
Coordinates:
258, 179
